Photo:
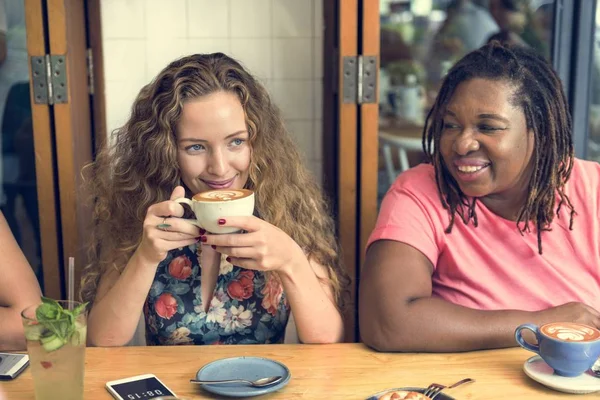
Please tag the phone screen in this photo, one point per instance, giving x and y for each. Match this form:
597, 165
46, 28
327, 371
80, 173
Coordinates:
12, 365
146, 388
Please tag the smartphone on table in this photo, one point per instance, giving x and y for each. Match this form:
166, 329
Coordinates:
146, 386
11, 365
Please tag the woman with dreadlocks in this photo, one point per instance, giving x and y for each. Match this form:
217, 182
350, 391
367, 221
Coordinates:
501, 228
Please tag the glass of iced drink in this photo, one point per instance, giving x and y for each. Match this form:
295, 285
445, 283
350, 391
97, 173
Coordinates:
56, 334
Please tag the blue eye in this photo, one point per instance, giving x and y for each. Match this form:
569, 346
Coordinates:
237, 142
195, 147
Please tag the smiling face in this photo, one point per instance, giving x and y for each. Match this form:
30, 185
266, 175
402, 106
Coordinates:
485, 143
213, 151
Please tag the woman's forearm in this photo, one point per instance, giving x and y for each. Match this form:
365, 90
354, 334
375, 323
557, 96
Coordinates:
114, 317
12, 337
435, 325
317, 318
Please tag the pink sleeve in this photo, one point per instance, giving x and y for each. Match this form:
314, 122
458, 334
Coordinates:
404, 217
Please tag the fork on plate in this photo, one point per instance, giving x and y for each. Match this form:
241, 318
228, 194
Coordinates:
435, 388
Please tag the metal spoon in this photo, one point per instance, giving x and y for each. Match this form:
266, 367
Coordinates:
259, 383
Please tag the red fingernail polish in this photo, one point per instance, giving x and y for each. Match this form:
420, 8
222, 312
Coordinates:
202, 231
228, 259
221, 221
213, 246
203, 239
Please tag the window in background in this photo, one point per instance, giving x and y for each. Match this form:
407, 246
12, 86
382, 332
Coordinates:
420, 41
593, 152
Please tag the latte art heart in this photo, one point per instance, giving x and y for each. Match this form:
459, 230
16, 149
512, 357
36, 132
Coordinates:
232, 194
222, 195
570, 332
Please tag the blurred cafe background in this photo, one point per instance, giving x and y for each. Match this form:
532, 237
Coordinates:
354, 79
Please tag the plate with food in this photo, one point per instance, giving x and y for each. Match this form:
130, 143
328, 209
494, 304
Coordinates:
408, 393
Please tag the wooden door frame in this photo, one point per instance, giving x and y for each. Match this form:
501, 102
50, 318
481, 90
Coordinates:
350, 140
368, 153
45, 154
72, 120
340, 140
94, 30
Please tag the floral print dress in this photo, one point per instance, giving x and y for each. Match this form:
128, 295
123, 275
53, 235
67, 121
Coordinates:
247, 307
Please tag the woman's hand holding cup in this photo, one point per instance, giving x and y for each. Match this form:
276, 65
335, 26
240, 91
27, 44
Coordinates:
165, 230
263, 247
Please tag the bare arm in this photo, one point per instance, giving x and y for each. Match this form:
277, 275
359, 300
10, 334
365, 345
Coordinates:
397, 312
315, 315
18, 289
120, 298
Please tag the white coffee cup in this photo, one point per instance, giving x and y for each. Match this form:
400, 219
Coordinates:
213, 205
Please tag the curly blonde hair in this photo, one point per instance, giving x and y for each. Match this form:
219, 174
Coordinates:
140, 168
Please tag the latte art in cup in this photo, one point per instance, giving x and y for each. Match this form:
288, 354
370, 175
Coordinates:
570, 332
568, 348
219, 195
213, 205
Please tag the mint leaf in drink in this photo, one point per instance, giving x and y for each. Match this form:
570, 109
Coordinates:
48, 300
46, 312
79, 309
60, 325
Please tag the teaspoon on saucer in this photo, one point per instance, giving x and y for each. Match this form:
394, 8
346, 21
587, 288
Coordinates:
259, 383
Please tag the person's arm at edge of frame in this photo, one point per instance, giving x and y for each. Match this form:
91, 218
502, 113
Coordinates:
19, 289
398, 313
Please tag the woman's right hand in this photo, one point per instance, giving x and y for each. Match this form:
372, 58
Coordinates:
158, 240
572, 312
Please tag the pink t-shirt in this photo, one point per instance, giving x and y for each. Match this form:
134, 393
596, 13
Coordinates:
492, 266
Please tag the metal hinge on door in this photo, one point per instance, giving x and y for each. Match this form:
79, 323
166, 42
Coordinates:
49, 79
360, 79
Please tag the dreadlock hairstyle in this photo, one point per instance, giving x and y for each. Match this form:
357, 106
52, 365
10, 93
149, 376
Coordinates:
538, 91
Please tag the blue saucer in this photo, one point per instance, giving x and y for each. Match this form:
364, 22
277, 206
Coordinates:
250, 368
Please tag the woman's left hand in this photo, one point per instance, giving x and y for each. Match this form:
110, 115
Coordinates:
264, 247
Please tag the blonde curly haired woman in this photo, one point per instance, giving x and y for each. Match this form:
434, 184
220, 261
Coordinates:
205, 123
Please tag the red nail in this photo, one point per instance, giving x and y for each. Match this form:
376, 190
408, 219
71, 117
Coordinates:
221, 221
228, 259
202, 231
203, 239
213, 246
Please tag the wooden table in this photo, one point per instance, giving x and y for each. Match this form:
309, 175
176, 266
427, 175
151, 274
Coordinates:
340, 371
